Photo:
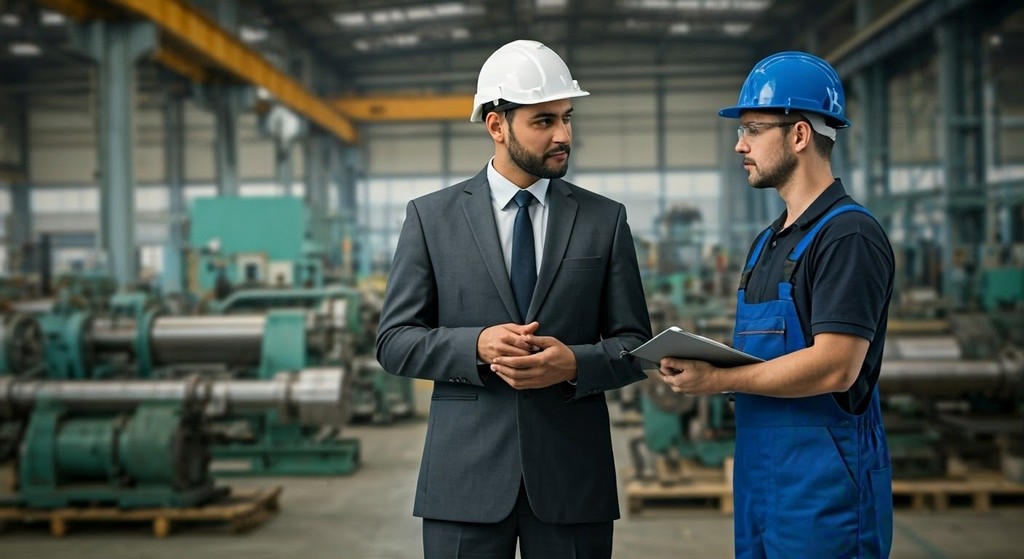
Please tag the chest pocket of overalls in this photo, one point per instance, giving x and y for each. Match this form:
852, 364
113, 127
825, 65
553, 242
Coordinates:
764, 337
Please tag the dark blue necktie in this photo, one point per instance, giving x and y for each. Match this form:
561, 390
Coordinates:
524, 257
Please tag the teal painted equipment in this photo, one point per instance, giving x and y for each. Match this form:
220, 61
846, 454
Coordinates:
139, 342
145, 443
1002, 288
377, 396
686, 427
252, 242
152, 457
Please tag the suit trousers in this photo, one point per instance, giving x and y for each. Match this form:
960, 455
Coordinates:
444, 539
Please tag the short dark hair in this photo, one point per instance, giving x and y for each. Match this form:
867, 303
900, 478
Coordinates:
822, 144
501, 106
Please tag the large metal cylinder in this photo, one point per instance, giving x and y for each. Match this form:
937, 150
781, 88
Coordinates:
999, 377
234, 340
314, 396
207, 339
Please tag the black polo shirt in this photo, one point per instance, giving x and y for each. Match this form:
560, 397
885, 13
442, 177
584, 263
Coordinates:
842, 283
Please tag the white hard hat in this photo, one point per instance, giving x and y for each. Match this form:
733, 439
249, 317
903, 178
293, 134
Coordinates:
525, 73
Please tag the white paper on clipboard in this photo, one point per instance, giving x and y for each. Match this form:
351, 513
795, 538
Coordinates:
676, 342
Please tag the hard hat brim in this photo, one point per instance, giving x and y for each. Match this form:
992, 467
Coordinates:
478, 111
830, 118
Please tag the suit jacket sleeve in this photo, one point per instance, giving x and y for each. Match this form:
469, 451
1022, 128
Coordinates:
625, 323
409, 341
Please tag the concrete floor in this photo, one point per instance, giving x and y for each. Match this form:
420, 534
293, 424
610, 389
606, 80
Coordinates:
368, 516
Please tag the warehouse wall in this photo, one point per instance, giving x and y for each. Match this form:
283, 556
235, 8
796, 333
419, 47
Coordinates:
623, 147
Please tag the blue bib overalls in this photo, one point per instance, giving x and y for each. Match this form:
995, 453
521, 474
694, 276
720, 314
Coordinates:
810, 480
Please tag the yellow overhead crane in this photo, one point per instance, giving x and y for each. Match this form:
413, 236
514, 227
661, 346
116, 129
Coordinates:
406, 108
197, 47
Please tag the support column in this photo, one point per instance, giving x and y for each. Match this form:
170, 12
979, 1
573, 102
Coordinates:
316, 163
316, 184
962, 156
174, 175
115, 46
284, 169
226, 102
660, 164
346, 172
20, 241
872, 89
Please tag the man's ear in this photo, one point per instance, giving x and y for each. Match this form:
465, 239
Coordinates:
494, 122
803, 136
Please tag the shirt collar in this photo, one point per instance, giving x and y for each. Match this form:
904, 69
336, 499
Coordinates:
824, 202
503, 190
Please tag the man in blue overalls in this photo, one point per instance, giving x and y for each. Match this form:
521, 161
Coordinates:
812, 472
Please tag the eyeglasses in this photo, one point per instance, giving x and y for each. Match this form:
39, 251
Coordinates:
755, 128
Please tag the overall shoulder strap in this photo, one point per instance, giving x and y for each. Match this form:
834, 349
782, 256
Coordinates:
754, 256
794, 257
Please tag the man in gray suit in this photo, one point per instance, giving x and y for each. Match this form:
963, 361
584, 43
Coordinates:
518, 294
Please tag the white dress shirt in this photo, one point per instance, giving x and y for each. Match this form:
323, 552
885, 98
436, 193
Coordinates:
505, 208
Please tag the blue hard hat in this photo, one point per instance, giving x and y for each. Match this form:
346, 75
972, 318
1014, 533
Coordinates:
793, 81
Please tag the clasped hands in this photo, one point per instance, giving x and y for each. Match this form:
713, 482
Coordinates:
524, 360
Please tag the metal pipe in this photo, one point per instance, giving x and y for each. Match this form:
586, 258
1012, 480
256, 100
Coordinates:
111, 335
235, 339
181, 340
314, 396
934, 377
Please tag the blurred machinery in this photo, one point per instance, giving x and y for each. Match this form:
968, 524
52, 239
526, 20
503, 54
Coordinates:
136, 340
142, 443
376, 395
21, 344
952, 390
682, 283
254, 255
252, 242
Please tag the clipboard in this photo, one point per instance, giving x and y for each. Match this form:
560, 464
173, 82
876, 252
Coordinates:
676, 342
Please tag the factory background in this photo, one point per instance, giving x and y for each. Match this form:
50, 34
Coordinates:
214, 189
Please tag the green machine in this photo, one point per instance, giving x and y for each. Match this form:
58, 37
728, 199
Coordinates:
86, 289
21, 345
142, 443
376, 395
1002, 288
258, 254
679, 427
949, 389
139, 342
252, 242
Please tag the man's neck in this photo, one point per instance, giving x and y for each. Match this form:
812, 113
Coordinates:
504, 165
803, 188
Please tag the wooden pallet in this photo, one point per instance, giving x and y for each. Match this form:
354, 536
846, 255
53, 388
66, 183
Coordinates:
691, 486
241, 510
978, 489
682, 485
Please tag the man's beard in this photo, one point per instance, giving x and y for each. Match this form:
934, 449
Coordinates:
536, 165
780, 175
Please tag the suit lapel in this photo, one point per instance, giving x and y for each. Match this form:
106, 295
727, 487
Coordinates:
477, 207
561, 218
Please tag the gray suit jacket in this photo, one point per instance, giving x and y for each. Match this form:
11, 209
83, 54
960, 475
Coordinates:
447, 284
